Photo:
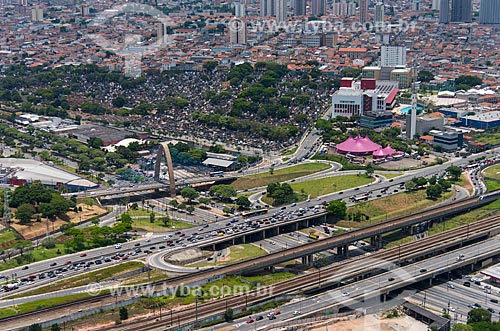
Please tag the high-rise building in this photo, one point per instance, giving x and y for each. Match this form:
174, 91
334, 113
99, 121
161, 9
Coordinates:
393, 56
461, 11
240, 9
84, 10
238, 33
416, 5
489, 12
318, 7
444, 11
267, 8
351, 8
363, 11
435, 4
281, 8
299, 7
36, 14
379, 12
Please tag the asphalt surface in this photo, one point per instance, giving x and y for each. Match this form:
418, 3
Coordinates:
361, 290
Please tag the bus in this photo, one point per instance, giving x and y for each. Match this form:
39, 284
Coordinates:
313, 236
253, 213
362, 197
216, 174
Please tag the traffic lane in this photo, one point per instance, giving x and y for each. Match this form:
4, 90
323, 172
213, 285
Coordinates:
401, 180
376, 283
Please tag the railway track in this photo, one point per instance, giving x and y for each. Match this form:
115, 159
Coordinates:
306, 249
341, 272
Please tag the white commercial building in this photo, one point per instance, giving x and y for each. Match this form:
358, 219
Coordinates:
363, 97
393, 56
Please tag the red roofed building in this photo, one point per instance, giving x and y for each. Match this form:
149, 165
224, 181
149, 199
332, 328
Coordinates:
359, 98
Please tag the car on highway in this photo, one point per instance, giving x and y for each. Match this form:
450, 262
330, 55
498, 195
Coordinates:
83, 255
53, 264
258, 318
25, 267
250, 320
491, 310
296, 312
391, 279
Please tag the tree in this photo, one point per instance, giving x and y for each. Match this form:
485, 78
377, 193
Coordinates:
152, 217
478, 315
410, 186
205, 201
228, 315
421, 181
182, 206
123, 313
55, 327
35, 327
189, 193
174, 203
24, 213
190, 209
226, 210
425, 76
369, 170
126, 218
445, 185
210, 65
454, 172
243, 202
337, 208
165, 221
433, 192
222, 192
49, 243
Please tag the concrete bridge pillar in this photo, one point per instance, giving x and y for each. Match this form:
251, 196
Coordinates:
345, 250
304, 260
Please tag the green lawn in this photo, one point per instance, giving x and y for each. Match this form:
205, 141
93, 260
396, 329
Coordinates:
229, 285
388, 175
392, 206
398, 237
85, 279
39, 304
492, 185
237, 253
38, 254
492, 209
289, 151
143, 224
7, 239
489, 138
280, 175
143, 212
322, 186
493, 172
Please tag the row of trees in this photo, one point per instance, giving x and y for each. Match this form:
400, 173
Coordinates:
31, 199
478, 320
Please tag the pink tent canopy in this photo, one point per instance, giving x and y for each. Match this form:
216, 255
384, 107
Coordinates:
358, 145
389, 150
383, 152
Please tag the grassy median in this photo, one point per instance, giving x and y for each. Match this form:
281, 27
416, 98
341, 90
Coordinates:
280, 175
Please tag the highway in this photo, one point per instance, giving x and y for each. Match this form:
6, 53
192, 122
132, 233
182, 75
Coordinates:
343, 270
353, 294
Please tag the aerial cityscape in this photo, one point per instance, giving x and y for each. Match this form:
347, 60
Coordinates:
275, 165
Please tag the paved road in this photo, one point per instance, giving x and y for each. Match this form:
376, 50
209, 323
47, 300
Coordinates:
359, 290
156, 241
